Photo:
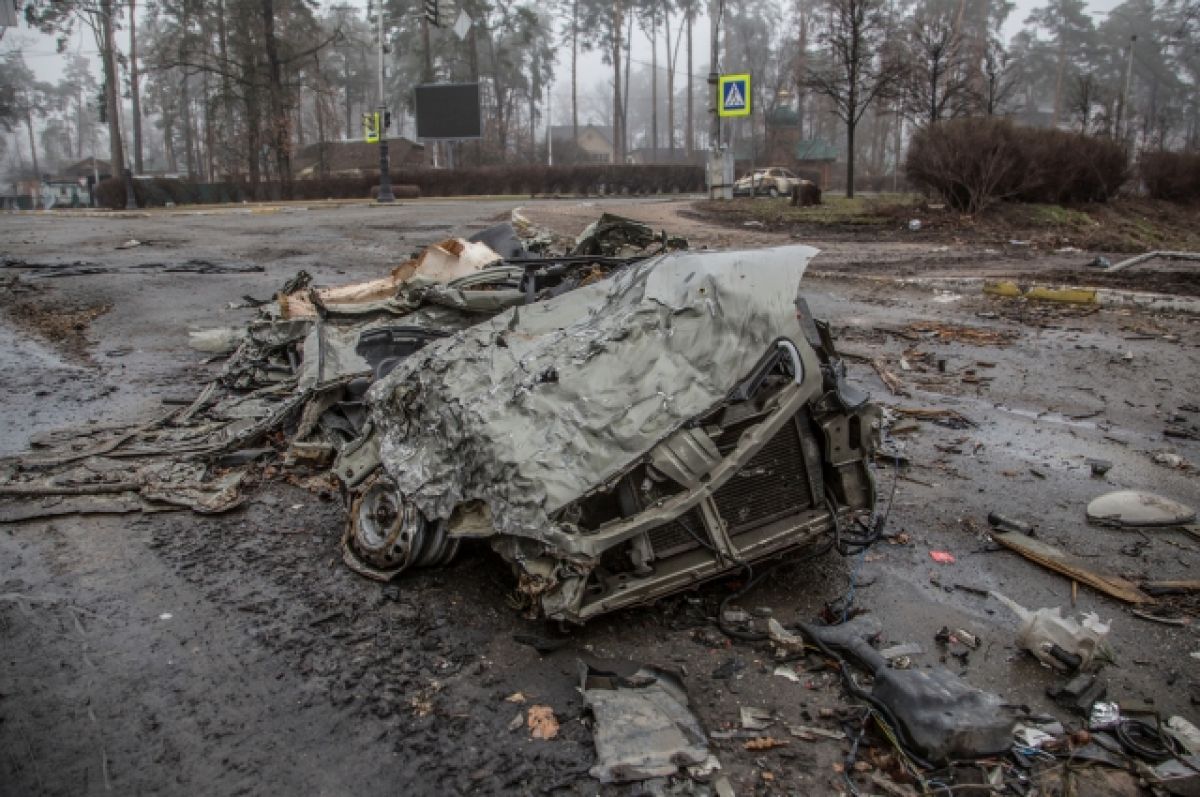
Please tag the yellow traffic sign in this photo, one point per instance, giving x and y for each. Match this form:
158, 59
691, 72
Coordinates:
733, 95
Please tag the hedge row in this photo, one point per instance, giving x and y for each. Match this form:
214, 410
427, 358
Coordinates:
1174, 176
975, 162
589, 179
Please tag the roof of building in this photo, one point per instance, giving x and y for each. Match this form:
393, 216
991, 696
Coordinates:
815, 149
564, 132
84, 168
783, 117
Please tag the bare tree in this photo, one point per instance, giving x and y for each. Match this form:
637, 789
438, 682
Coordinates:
858, 68
936, 82
135, 90
60, 17
1084, 95
998, 83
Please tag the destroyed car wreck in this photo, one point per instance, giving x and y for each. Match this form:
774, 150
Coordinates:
618, 422
631, 438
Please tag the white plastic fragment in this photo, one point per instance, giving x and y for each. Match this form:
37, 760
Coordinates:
1185, 732
1138, 508
219, 340
1029, 736
784, 671
1041, 630
755, 719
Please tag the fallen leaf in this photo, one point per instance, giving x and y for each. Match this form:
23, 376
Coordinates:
765, 743
542, 722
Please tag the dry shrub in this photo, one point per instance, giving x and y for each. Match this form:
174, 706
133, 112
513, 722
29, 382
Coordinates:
1071, 168
975, 162
1174, 176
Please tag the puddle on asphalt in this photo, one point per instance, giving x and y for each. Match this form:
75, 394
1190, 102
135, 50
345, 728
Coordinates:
32, 367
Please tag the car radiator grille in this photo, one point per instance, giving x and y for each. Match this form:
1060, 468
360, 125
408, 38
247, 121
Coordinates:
773, 485
672, 538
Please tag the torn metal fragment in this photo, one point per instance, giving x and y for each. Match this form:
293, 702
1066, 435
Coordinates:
643, 726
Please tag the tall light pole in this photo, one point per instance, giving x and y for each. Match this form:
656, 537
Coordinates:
385, 165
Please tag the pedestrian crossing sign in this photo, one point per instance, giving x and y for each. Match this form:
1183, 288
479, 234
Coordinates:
733, 95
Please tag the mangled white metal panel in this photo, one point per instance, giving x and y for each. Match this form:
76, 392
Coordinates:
529, 410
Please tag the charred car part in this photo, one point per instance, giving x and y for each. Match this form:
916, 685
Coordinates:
294, 378
613, 444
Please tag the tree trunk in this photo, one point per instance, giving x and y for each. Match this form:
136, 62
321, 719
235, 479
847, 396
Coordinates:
850, 125
801, 69
134, 89
319, 109
690, 139
37, 170
280, 136
108, 56
1058, 80
228, 153
169, 142
625, 92
672, 54
253, 140
188, 131
79, 123
349, 111
574, 81
300, 142
210, 134
473, 64
654, 88
618, 136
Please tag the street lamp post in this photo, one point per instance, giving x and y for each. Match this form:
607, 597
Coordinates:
385, 166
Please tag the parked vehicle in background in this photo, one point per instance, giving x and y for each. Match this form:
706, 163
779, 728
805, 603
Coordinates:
772, 180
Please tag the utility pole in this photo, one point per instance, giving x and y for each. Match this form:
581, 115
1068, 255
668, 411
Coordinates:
717, 178
385, 165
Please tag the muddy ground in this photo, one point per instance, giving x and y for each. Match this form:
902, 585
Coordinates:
173, 654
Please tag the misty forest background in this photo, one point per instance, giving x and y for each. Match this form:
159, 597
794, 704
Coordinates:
232, 89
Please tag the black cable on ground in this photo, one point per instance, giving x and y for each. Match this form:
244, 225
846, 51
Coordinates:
752, 581
1147, 741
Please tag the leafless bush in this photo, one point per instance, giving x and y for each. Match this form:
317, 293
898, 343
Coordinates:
973, 163
1174, 176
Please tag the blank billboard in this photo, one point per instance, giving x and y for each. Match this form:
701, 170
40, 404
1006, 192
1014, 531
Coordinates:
448, 110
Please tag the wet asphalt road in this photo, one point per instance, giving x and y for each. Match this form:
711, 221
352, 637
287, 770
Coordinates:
170, 654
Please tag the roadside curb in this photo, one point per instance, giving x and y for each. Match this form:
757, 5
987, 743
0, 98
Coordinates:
1007, 288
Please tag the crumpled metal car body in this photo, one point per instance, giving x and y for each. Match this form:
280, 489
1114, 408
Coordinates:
681, 419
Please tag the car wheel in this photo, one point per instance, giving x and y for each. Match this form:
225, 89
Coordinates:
773, 192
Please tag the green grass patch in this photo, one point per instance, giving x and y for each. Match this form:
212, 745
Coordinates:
834, 210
